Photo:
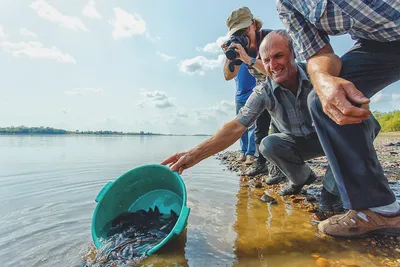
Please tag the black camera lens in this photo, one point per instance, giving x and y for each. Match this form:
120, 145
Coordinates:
231, 54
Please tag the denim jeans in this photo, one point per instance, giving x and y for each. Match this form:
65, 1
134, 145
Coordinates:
247, 141
370, 66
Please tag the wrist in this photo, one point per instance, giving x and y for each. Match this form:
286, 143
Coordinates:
247, 60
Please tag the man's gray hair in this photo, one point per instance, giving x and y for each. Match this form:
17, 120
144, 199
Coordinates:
284, 34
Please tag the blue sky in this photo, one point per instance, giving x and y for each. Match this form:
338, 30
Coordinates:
125, 65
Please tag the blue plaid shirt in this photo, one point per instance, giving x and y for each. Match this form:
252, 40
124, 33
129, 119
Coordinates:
289, 112
309, 22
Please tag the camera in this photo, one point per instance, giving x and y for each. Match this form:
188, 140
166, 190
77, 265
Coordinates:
230, 53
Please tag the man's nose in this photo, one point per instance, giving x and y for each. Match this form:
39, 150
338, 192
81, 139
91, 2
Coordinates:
272, 63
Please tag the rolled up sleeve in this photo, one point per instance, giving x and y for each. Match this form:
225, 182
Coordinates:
254, 106
307, 39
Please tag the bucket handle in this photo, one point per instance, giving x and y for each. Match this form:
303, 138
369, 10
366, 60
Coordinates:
182, 220
103, 192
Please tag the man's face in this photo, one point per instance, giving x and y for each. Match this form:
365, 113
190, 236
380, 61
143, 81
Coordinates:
278, 60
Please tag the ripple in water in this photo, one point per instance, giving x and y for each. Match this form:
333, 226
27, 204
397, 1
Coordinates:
128, 237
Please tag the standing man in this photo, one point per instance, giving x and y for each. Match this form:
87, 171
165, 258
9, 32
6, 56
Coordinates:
245, 83
241, 22
342, 86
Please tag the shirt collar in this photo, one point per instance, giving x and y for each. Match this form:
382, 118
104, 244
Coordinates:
302, 76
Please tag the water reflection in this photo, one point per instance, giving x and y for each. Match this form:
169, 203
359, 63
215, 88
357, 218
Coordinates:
281, 235
173, 254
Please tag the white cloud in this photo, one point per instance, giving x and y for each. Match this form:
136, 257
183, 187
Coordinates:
90, 10
141, 103
181, 114
36, 50
379, 97
224, 108
156, 99
84, 91
199, 65
166, 103
153, 39
215, 47
48, 12
395, 97
27, 33
127, 24
164, 56
2, 34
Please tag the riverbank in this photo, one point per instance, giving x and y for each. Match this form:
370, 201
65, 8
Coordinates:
384, 251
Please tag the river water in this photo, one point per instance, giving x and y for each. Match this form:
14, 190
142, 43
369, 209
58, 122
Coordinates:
48, 185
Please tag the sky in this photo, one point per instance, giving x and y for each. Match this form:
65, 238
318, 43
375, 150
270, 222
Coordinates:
153, 66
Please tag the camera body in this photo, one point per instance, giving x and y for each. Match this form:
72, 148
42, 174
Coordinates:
230, 53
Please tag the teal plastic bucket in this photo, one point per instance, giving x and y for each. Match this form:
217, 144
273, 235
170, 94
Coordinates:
141, 188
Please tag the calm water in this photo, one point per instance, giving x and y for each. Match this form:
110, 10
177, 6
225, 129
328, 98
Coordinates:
48, 185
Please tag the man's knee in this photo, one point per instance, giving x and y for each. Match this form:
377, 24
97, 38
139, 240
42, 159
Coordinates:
269, 146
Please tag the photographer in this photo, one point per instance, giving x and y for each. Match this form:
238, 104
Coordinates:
245, 38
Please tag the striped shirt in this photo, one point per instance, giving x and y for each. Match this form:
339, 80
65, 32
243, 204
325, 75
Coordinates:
289, 112
309, 22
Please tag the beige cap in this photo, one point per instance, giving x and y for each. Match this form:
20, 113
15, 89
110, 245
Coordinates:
240, 18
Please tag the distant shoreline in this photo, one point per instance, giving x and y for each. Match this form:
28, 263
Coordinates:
22, 130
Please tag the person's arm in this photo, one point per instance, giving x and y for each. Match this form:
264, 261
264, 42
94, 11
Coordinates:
247, 59
224, 138
335, 92
228, 75
323, 66
258, 65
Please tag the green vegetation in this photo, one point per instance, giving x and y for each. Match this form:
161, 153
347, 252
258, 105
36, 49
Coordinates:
31, 130
390, 121
50, 130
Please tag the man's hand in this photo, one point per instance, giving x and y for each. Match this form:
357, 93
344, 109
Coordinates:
335, 93
181, 161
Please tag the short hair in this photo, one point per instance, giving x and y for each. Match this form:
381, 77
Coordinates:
285, 36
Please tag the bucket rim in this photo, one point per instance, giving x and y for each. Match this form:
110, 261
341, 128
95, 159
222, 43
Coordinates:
184, 207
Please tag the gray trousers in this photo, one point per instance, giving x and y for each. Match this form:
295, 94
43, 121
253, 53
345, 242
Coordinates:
370, 66
289, 154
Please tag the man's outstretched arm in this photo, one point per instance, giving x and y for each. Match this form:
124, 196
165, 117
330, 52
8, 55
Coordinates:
221, 140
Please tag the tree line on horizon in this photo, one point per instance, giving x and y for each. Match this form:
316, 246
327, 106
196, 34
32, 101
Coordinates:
51, 130
390, 122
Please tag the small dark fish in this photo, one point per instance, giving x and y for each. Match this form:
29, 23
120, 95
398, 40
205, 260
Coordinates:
133, 233
156, 211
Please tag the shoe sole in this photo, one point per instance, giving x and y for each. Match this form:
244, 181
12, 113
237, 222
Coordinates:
386, 231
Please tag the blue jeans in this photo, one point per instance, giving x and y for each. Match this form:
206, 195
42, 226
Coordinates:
370, 66
247, 143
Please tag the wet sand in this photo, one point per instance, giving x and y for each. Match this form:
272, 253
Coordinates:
286, 234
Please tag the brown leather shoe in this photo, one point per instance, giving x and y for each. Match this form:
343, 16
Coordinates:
360, 223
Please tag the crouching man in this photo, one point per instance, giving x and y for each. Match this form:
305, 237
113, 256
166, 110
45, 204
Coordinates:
284, 94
